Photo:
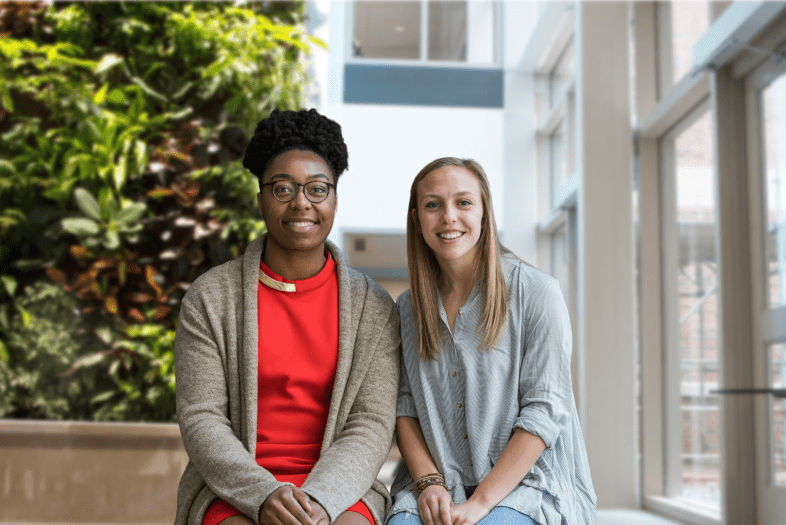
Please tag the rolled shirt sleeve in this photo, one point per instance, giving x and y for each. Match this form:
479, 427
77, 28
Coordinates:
545, 391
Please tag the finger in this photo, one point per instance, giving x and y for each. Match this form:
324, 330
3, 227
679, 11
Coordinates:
303, 499
425, 515
296, 510
444, 507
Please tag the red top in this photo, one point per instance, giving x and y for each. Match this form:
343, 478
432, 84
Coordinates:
298, 355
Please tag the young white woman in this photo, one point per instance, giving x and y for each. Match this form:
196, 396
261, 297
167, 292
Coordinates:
286, 359
486, 420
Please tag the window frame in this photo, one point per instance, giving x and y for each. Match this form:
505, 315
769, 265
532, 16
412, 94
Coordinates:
423, 60
658, 110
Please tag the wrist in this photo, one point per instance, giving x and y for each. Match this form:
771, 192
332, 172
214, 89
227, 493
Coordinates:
482, 500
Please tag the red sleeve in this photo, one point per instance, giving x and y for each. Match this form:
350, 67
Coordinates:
218, 511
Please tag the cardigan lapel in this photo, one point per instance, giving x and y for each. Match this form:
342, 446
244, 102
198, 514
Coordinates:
249, 344
347, 317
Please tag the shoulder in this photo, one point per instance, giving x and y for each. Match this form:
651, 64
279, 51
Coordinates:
404, 304
216, 282
522, 276
530, 289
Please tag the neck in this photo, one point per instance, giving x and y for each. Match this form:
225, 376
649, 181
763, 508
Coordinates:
292, 264
458, 277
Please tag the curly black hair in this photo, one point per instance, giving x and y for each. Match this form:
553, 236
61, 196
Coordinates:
287, 130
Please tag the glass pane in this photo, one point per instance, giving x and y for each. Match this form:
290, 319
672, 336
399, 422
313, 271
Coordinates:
778, 414
562, 73
689, 20
559, 159
774, 133
680, 24
387, 30
461, 31
447, 31
698, 321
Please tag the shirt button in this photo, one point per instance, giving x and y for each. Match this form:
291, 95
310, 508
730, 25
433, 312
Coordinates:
461, 311
471, 464
464, 436
460, 405
454, 373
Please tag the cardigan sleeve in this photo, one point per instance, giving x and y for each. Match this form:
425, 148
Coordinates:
349, 466
219, 456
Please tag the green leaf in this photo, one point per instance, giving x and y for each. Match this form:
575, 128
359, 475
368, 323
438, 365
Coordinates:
4, 357
183, 113
140, 155
107, 62
6, 100
105, 334
8, 167
147, 89
182, 91
131, 213
117, 96
10, 284
119, 173
317, 42
99, 97
26, 317
80, 226
88, 204
103, 396
111, 240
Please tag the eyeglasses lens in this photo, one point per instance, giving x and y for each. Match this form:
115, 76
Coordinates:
286, 191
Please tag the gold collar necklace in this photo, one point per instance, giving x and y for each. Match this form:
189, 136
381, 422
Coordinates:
276, 285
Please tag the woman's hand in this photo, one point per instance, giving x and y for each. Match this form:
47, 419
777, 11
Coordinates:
434, 505
468, 513
288, 506
318, 514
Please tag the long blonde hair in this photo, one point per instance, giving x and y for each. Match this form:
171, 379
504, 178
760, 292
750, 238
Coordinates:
424, 270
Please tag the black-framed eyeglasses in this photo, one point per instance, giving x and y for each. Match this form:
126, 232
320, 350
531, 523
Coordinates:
286, 190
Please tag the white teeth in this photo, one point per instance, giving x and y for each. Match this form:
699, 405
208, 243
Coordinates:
450, 235
300, 224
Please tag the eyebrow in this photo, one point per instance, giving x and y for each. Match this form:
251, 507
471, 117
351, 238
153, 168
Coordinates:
290, 177
459, 194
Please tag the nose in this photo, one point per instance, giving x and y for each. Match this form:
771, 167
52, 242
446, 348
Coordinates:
300, 201
449, 215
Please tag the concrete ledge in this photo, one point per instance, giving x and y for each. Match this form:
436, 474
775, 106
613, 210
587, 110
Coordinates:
631, 517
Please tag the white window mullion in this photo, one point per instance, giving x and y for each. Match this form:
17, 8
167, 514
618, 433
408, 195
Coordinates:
424, 36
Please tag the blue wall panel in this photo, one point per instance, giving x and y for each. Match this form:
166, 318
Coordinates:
426, 86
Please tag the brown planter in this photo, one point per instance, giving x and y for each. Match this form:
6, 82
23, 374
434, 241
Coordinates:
69, 472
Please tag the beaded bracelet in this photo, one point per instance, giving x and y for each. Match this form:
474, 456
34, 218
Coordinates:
430, 479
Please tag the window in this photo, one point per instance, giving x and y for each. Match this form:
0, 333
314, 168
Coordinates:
690, 278
774, 171
680, 24
437, 31
777, 416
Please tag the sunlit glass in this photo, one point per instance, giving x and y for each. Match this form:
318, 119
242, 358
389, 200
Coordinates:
286, 190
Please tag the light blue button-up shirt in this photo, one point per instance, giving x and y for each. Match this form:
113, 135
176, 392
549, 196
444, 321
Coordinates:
470, 401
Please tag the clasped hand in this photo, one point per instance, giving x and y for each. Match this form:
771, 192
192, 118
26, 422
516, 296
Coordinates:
291, 506
436, 508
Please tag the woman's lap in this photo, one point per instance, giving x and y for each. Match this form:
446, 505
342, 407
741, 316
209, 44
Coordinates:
497, 516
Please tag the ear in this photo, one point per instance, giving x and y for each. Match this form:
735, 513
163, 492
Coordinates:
260, 205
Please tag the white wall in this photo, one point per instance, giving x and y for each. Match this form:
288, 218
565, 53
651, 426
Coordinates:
389, 145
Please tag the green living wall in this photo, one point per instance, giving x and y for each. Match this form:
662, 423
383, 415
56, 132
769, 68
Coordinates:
121, 130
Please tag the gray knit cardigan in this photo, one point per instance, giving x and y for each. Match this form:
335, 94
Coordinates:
216, 368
